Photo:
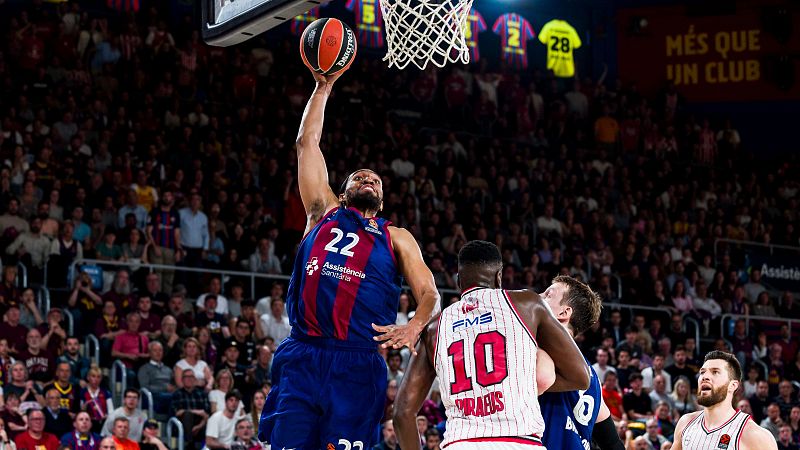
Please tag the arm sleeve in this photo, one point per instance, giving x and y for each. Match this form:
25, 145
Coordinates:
605, 435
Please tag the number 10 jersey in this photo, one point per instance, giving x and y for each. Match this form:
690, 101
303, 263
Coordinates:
345, 278
485, 358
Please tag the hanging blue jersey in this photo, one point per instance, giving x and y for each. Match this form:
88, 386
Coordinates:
345, 278
515, 32
369, 22
570, 416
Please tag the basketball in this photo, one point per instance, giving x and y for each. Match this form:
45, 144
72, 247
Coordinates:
328, 46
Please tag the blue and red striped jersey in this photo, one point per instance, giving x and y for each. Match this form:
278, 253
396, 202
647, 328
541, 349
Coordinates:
345, 278
164, 224
475, 24
302, 21
515, 32
369, 22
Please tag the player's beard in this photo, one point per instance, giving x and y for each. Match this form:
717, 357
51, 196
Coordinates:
363, 200
717, 395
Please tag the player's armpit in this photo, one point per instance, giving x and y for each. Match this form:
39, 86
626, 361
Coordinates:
414, 388
604, 413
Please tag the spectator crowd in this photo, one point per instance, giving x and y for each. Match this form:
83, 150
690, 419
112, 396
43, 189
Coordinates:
126, 141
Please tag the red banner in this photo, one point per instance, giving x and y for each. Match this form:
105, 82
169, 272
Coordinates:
744, 56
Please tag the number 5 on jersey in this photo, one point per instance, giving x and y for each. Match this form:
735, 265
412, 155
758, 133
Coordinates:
338, 235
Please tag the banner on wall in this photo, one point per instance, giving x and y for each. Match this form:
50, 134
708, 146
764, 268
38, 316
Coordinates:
734, 57
777, 271
561, 40
515, 32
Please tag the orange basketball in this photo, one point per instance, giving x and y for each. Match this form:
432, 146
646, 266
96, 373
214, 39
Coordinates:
328, 46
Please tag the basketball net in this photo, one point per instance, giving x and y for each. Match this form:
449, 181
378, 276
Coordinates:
422, 31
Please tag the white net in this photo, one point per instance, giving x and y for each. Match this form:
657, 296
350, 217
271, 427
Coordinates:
422, 31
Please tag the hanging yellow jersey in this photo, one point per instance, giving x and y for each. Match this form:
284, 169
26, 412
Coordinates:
561, 39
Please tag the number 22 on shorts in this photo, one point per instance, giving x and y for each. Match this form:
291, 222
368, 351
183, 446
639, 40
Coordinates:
347, 445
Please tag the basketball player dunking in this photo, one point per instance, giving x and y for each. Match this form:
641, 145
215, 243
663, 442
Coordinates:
483, 349
573, 419
718, 426
328, 379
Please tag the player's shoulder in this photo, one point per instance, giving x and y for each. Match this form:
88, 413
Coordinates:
755, 437
684, 421
525, 298
401, 237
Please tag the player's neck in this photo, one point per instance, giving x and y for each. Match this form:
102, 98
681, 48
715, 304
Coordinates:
367, 214
718, 414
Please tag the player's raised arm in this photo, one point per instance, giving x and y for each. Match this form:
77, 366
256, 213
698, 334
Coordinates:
571, 370
420, 278
414, 388
315, 190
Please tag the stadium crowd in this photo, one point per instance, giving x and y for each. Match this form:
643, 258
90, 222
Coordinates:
124, 138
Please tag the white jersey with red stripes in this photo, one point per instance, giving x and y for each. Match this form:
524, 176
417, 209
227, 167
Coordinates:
485, 359
696, 436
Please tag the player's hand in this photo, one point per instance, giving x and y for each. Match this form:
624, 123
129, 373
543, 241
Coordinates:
398, 336
328, 80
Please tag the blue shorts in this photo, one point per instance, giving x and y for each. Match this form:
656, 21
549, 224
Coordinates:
324, 391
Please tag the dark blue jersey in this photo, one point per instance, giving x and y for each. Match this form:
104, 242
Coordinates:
570, 416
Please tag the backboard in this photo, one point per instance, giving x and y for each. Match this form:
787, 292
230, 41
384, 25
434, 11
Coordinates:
229, 22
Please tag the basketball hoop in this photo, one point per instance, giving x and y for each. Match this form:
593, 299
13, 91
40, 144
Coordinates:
422, 31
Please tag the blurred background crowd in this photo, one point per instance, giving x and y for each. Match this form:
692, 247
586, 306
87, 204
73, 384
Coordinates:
126, 141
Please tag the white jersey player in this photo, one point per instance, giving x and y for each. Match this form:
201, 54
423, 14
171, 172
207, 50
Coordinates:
718, 425
483, 348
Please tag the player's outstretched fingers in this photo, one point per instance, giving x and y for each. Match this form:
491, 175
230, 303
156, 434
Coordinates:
396, 336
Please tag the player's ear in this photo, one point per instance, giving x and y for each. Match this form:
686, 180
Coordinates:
499, 278
565, 313
341, 198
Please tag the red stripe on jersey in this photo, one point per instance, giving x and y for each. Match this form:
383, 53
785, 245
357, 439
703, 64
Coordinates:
741, 431
517, 440
311, 285
519, 316
347, 291
436, 341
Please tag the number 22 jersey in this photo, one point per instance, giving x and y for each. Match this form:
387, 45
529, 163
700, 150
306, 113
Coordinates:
485, 358
345, 278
